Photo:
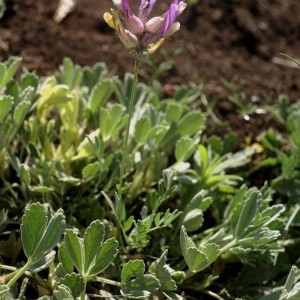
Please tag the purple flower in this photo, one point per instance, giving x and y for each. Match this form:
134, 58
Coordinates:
139, 32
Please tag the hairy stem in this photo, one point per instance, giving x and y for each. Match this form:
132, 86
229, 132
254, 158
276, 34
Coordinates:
130, 113
108, 281
18, 274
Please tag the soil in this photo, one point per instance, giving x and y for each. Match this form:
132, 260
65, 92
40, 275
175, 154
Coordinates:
219, 40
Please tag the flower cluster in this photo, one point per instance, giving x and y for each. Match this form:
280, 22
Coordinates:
138, 32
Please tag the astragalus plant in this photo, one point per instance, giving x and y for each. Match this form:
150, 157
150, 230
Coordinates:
111, 190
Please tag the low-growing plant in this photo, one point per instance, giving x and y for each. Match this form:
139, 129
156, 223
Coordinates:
109, 190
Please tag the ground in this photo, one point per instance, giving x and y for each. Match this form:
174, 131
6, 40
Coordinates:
219, 40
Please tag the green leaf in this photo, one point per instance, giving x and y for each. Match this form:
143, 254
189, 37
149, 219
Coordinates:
232, 211
74, 246
128, 224
8, 69
62, 292
294, 294
91, 170
261, 237
105, 123
168, 217
100, 94
3, 70
52, 235
197, 259
60, 271
27, 94
269, 215
192, 123
192, 216
173, 112
106, 255
141, 287
74, 282
65, 258
142, 128
133, 268
91, 76
139, 236
38, 236
203, 160
29, 79
25, 175
163, 273
20, 112
33, 227
6, 103
68, 70
120, 208
293, 277
184, 148
13, 64
43, 262
248, 214
112, 120
212, 252
193, 220
92, 242
41, 189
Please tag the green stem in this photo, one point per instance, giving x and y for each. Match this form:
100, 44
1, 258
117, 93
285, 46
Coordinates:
131, 106
228, 246
108, 281
85, 280
18, 274
212, 294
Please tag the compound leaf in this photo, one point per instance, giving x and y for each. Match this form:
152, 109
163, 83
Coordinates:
197, 259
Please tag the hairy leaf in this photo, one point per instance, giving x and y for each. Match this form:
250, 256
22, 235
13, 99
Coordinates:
197, 259
92, 242
74, 282
105, 256
131, 269
74, 246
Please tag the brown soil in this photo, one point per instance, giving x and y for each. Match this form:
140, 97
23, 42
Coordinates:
218, 39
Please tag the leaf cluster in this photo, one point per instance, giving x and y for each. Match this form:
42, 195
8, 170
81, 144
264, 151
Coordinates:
184, 223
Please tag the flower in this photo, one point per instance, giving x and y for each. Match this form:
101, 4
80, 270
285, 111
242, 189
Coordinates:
138, 32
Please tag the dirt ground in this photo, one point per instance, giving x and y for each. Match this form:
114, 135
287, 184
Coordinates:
229, 39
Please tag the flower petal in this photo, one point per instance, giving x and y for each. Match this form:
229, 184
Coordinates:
171, 16
181, 7
125, 7
172, 29
108, 18
154, 24
129, 40
145, 9
135, 25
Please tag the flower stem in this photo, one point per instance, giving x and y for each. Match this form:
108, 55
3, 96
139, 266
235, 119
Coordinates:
130, 113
